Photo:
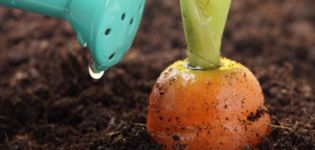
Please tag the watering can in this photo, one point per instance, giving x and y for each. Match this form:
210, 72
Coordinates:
106, 27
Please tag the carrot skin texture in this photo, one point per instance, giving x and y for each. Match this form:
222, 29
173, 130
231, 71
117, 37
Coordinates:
213, 109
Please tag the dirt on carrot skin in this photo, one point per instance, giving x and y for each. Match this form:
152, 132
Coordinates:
48, 101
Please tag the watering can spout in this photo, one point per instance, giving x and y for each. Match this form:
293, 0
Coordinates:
106, 27
53, 8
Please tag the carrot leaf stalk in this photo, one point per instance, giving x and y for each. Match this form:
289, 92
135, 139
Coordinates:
204, 22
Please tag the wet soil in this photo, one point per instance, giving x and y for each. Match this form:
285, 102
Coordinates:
48, 101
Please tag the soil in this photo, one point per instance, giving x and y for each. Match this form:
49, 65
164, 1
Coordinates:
48, 101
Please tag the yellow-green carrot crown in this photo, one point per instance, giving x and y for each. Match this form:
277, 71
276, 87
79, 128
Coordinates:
204, 22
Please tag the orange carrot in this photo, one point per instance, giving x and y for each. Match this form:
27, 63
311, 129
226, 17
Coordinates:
206, 101
213, 109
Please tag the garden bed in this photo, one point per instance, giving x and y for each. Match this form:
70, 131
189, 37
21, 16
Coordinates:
48, 101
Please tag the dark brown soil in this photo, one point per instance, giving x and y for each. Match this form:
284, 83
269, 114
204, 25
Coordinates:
48, 101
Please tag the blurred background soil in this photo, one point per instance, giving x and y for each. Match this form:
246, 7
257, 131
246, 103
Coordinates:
48, 101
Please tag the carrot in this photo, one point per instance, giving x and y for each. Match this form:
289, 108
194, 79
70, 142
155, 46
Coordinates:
206, 101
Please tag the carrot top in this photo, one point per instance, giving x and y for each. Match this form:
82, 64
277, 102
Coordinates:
204, 22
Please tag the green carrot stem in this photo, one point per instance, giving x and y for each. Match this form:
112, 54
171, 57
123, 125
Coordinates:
204, 22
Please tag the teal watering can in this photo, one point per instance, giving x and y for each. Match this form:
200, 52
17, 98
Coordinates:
106, 27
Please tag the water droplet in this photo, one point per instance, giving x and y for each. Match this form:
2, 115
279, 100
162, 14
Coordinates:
85, 44
95, 74
193, 67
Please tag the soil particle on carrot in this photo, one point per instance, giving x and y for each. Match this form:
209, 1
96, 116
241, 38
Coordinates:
176, 138
254, 116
